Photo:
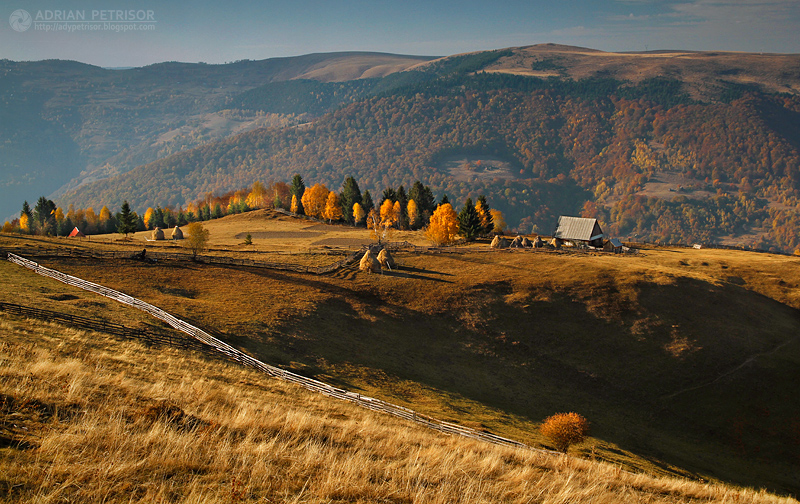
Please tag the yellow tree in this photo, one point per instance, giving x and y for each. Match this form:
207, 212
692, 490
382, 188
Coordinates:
413, 214
104, 219
314, 201
257, 198
59, 214
388, 214
8, 227
148, 217
565, 429
294, 208
198, 238
443, 226
358, 213
398, 212
91, 221
333, 210
24, 223
379, 231
498, 220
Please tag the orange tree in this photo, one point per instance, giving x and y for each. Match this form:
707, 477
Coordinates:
333, 210
314, 201
565, 429
443, 226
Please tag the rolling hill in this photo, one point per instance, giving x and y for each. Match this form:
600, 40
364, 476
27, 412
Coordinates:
679, 357
85, 417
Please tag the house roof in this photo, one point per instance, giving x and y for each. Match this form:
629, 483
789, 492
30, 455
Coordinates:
615, 242
577, 228
76, 232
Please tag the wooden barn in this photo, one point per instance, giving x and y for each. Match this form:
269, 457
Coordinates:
579, 231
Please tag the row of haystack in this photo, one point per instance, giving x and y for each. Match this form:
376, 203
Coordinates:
372, 264
500, 242
158, 234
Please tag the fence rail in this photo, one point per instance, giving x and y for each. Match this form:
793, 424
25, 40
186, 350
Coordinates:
206, 259
150, 336
235, 355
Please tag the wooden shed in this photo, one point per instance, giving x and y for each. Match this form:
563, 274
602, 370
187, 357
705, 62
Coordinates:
579, 231
613, 245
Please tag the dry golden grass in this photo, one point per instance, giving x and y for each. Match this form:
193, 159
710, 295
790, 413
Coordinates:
498, 340
86, 418
699, 69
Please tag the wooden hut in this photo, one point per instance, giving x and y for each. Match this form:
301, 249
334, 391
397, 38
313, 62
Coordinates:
579, 231
613, 245
177, 234
369, 263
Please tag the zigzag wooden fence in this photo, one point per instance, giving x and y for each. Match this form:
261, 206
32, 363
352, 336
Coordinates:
150, 336
235, 355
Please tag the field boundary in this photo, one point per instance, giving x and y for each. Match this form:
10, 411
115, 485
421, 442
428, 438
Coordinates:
150, 336
231, 353
205, 259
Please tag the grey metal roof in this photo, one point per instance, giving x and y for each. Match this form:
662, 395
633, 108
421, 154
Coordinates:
615, 242
577, 228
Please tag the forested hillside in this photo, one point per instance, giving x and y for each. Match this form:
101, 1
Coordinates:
599, 146
63, 123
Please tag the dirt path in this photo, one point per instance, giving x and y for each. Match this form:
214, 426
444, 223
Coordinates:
732, 371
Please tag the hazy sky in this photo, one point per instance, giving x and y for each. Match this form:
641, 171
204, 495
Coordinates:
247, 29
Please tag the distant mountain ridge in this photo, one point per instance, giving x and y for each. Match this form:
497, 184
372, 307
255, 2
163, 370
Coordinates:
672, 146
63, 123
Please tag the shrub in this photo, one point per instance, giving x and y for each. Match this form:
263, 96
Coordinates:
565, 429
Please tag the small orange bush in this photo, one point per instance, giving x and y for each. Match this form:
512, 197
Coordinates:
565, 429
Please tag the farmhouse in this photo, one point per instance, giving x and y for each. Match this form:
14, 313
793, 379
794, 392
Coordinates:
578, 230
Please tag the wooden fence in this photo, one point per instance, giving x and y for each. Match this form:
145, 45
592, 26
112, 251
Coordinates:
150, 336
235, 355
206, 259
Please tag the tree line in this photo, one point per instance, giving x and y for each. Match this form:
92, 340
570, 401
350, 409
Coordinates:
396, 209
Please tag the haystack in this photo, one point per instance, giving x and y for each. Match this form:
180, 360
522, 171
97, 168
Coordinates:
386, 260
538, 243
499, 242
177, 234
555, 242
158, 234
516, 242
526, 243
369, 263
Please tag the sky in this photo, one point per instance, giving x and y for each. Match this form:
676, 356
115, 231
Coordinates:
92, 31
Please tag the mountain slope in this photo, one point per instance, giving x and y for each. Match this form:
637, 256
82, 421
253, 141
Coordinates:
229, 434
66, 123
647, 159
679, 357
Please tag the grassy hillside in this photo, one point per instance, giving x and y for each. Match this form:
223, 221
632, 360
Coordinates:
84, 417
678, 356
